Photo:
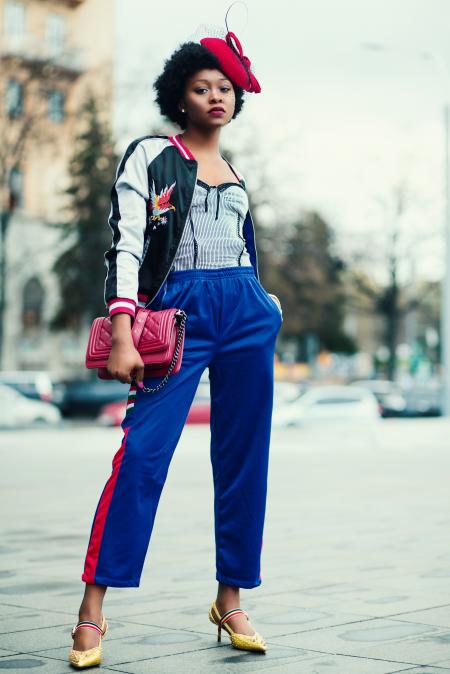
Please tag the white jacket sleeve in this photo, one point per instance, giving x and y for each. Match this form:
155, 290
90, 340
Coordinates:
127, 220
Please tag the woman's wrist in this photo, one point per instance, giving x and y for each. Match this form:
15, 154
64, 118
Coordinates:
121, 330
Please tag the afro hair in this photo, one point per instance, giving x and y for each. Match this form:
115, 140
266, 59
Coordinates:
169, 85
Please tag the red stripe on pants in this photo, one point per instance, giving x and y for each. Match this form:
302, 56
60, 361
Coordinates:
101, 514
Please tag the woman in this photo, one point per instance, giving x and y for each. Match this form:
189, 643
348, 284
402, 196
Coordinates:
183, 237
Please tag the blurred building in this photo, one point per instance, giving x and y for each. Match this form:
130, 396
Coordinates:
51, 53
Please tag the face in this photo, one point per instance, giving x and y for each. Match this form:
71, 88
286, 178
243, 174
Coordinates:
205, 90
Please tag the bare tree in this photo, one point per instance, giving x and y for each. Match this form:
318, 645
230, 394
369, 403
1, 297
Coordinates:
387, 250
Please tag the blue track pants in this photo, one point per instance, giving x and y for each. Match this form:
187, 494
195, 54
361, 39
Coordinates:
231, 329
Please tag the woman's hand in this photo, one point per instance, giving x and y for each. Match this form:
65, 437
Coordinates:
124, 362
274, 297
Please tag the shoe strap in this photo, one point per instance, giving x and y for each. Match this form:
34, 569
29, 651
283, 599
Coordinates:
231, 613
89, 624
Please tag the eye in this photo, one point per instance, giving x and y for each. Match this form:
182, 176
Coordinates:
199, 90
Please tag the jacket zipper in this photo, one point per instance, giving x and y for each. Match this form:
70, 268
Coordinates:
192, 199
178, 245
241, 237
195, 241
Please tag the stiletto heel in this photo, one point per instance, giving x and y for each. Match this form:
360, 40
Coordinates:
244, 642
93, 656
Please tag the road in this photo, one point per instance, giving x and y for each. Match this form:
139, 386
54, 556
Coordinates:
355, 566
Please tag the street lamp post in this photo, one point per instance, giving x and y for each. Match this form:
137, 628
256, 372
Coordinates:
439, 61
445, 312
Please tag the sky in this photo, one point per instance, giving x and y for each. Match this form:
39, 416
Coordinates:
338, 124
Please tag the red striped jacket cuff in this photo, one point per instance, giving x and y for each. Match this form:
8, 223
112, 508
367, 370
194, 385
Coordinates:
121, 305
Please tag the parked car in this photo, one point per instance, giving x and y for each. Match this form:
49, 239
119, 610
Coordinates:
285, 392
18, 411
200, 410
389, 395
34, 384
86, 397
424, 399
113, 413
335, 403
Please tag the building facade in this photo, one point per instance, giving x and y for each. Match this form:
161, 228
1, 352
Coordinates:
52, 52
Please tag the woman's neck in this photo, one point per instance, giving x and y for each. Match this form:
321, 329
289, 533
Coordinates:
202, 143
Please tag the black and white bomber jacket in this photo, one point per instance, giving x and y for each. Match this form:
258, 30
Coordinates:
150, 201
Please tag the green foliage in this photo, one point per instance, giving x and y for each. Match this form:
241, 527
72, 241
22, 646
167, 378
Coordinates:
307, 279
85, 235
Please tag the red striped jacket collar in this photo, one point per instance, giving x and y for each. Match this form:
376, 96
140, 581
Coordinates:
182, 148
187, 154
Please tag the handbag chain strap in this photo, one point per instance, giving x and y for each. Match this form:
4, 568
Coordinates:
180, 317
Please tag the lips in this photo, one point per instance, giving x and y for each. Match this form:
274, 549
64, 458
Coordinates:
216, 109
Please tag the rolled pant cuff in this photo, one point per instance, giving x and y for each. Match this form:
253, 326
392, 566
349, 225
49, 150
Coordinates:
112, 582
237, 583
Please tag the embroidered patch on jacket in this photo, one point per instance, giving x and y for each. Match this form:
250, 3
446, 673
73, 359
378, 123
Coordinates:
160, 204
131, 398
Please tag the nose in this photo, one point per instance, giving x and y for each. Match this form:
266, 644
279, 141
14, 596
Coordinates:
216, 96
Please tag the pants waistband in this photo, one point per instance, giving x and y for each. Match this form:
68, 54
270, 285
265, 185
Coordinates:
219, 272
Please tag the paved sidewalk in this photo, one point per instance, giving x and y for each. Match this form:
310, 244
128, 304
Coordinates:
356, 557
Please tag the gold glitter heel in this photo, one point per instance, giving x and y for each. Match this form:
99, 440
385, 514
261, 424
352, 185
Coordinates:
244, 642
93, 656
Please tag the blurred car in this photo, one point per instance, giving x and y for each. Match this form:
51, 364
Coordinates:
285, 392
389, 395
335, 403
200, 410
18, 411
113, 413
34, 384
424, 399
86, 397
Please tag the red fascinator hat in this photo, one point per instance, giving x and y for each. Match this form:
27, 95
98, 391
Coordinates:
234, 64
228, 50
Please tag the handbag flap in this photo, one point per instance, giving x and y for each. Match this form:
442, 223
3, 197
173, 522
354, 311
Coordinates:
157, 331
152, 333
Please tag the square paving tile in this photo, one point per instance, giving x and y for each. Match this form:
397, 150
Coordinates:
422, 650
4, 653
151, 642
25, 662
439, 616
220, 659
31, 619
341, 664
37, 640
270, 620
393, 640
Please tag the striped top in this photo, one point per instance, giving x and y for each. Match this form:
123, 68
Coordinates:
212, 236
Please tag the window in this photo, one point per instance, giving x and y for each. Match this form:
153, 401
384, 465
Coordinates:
56, 32
32, 303
15, 185
56, 105
14, 98
14, 19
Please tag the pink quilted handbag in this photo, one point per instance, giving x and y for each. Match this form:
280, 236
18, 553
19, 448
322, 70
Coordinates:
157, 335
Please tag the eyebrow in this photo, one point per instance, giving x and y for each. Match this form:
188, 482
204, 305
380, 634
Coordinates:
202, 79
